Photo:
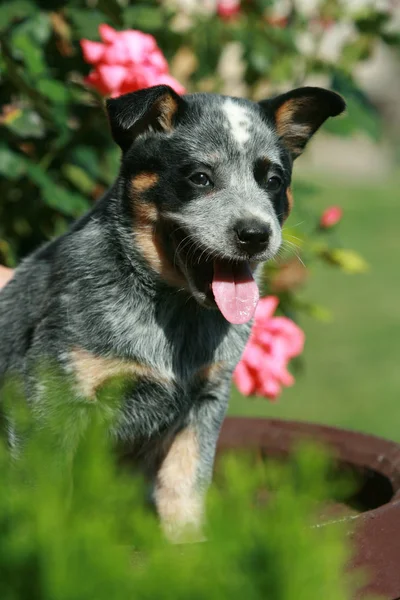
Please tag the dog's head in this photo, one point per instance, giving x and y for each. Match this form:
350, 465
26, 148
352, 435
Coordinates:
206, 180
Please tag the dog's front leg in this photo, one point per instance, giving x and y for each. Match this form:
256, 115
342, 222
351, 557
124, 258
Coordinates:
186, 468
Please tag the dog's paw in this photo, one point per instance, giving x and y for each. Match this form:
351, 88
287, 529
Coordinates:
183, 533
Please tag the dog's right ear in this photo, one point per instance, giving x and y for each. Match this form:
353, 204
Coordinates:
154, 108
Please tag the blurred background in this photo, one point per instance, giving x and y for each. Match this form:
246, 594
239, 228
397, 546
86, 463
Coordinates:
337, 281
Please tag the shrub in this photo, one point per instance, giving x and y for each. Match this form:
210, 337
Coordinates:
56, 156
74, 525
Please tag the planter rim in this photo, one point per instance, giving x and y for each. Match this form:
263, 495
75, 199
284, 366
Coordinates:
375, 534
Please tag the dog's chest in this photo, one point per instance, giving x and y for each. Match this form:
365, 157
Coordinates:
179, 356
189, 348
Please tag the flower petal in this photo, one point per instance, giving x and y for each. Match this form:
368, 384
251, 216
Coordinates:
92, 51
253, 356
270, 388
93, 80
273, 342
265, 309
112, 76
117, 53
331, 216
107, 33
244, 380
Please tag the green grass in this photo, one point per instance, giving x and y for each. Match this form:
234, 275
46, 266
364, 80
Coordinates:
352, 365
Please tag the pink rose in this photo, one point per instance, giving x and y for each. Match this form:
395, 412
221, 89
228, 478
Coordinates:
126, 61
262, 370
330, 217
5, 275
227, 9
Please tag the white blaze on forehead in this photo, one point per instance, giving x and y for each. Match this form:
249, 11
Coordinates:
239, 121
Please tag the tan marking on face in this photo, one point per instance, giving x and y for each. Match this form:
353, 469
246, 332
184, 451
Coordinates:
92, 371
148, 232
179, 503
144, 181
212, 371
290, 200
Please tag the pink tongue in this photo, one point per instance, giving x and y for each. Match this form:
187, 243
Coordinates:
235, 291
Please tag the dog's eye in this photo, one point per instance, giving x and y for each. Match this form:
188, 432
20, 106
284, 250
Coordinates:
200, 179
274, 183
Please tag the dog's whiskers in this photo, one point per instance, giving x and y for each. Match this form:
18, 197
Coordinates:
181, 246
294, 248
292, 226
293, 237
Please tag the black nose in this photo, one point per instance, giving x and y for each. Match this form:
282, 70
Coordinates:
252, 235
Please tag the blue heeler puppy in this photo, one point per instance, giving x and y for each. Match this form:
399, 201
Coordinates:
157, 283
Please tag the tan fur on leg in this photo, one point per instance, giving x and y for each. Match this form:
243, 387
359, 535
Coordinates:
179, 503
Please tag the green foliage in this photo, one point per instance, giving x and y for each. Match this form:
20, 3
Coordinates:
57, 156
73, 525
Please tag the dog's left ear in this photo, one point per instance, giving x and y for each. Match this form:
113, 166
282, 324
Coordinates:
154, 108
298, 114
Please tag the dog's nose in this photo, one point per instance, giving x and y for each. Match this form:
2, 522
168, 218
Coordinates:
252, 235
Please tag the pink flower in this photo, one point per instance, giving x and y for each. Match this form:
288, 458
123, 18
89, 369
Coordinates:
262, 370
227, 9
5, 276
126, 61
330, 217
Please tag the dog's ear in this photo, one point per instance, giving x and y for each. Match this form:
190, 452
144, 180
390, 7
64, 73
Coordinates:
154, 108
298, 114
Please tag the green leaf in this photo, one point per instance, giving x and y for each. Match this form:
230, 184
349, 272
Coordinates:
27, 124
27, 40
12, 165
282, 69
55, 196
78, 178
358, 117
110, 165
37, 28
320, 313
32, 55
56, 91
85, 22
316, 311
371, 21
348, 260
11, 11
356, 51
113, 10
86, 157
360, 114
145, 18
391, 38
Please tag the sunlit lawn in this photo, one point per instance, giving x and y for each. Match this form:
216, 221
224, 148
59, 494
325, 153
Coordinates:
352, 365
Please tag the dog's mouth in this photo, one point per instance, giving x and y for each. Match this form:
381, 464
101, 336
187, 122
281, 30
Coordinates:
217, 282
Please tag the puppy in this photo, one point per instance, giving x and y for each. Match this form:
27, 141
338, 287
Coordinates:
157, 283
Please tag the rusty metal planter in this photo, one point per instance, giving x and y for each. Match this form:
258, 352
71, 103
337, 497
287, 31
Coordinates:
375, 531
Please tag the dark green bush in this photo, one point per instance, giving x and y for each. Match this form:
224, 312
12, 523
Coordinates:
56, 156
